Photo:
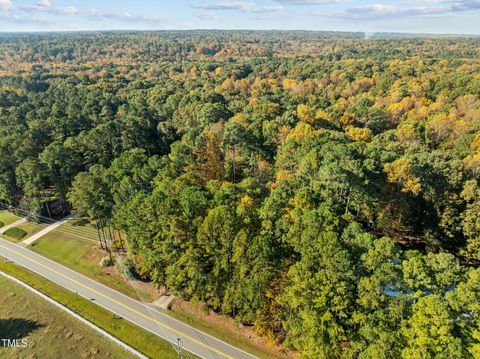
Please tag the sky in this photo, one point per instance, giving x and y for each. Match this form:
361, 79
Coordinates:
414, 16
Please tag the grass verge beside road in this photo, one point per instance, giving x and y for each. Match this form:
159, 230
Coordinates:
22, 231
49, 332
140, 339
226, 329
15, 233
7, 218
31, 228
83, 256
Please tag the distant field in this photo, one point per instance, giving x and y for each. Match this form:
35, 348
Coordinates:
7, 218
78, 250
50, 332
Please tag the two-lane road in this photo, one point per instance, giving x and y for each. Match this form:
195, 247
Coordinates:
157, 322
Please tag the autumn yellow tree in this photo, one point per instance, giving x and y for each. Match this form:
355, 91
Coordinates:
401, 172
306, 113
359, 134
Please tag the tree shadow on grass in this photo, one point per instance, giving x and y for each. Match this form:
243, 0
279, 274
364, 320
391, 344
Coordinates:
17, 328
80, 222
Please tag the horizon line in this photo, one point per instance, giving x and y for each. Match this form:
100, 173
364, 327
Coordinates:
237, 30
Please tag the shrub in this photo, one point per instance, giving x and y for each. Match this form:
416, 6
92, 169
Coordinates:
1, 224
16, 233
106, 262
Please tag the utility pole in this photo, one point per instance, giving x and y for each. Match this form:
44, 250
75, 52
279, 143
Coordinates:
180, 348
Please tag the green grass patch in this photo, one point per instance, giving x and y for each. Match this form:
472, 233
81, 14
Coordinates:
49, 331
7, 218
31, 228
22, 231
79, 251
142, 340
15, 233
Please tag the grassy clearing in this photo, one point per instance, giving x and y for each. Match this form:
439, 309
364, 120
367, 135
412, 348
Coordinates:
7, 218
15, 233
142, 340
49, 331
31, 228
22, 231
81, 253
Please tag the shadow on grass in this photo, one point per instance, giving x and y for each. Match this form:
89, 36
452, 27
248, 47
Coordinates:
17, 328
80, 222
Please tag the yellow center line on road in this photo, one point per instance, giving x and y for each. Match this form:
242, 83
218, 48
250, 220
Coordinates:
120, 303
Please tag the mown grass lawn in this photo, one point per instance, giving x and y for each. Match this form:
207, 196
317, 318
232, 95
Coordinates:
28, 228
7, 218
140, 339
81, 253
15, 233
31, 228
49, 332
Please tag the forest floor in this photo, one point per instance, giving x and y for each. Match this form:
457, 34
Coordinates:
138, 338
49, 332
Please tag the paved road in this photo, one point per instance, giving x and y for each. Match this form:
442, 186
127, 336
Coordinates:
155, 321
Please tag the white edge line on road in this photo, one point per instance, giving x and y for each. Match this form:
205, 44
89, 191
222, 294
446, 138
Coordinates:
198, 331
100, 305
130, 298
166, 338
75, 315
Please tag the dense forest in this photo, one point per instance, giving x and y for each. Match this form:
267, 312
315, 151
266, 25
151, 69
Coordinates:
322, 187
